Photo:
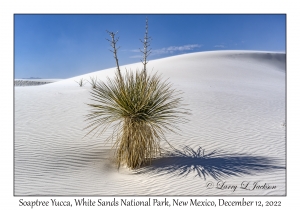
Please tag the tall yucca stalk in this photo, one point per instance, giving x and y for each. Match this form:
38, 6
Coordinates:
140, 108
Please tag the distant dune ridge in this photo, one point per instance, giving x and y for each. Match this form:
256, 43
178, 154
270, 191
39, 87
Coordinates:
236, 135
33, 81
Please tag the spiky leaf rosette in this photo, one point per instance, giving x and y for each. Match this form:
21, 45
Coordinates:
140, 108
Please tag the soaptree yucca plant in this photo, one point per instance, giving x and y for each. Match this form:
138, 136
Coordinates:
93, 82
80, 82
139, 107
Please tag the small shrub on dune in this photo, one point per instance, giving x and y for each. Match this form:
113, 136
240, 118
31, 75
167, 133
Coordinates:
93, 82
140, 108
80, 82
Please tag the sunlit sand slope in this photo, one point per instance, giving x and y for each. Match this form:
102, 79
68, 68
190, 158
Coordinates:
237, 101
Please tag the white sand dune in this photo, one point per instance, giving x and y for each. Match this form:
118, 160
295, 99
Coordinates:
237, 101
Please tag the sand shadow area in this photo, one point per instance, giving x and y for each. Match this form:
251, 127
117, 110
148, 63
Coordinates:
215, 164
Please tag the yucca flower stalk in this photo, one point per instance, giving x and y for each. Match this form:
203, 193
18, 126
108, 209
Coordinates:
140, 107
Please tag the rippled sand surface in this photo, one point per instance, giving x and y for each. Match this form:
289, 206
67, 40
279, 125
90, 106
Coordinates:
237, 101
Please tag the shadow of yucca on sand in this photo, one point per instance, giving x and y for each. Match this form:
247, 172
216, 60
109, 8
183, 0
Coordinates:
215, 164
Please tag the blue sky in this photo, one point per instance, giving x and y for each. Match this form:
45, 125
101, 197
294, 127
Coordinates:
64, 46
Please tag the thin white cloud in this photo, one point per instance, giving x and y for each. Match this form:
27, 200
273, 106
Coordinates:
136, 50
220, 46
170, 50
136, 56
173, 49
